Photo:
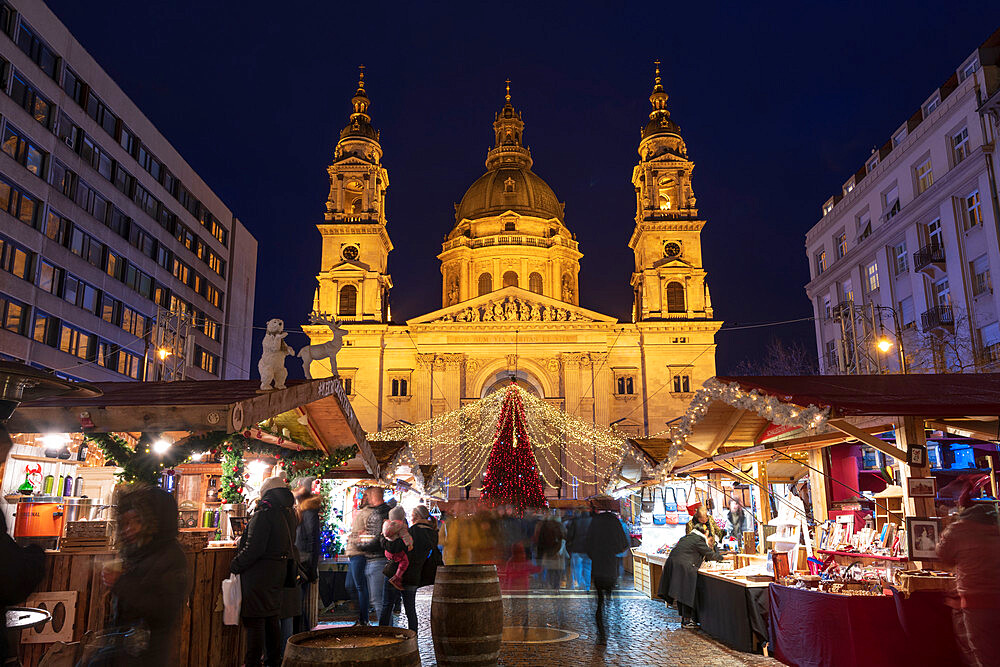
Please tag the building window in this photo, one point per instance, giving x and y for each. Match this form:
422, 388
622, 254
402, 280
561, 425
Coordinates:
960, 145
898, 138
820, 262
942, 293
682, 384
973, 211
510, 279
128, 364
22, 92
981, 276
831, 362
75, 342
847, 291
931, 106
925, 176
38, 51
871, 164
485, 284
827, 310
840, 242
16, 260
890, 202
935, 237
872, 271
906, 313
902, 261
827, 208
864, 227
625, 385
207, 361
535, 282
44, 328
675, 298
399, 387
20, 204
348, 300
969, 70
349, 386
13, 315
510, 226
24, 151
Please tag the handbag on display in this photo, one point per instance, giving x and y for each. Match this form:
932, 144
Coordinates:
659, 519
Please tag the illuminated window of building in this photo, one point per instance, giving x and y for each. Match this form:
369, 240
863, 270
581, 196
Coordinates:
840, 242
510, 279
872, 271
960, 145
820, 262
675, 298
663, 194
485, 284
535, 282
902, 259
973, 210
356, 206
348, 300
682, 384
925, 175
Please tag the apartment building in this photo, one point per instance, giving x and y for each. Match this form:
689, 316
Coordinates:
117, 261
903, 259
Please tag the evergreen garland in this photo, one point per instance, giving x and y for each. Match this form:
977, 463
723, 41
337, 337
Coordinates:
231, 488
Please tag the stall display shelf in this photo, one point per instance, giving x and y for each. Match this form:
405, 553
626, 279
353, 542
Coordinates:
45, 459
852, 554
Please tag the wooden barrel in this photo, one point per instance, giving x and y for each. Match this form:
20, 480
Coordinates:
356, 646
467, 615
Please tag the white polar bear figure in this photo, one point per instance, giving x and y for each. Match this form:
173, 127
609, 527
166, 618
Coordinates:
272, 361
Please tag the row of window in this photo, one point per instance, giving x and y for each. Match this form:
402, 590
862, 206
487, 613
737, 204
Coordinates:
43, 111
15, 317
50, 63
968, 209
53, 279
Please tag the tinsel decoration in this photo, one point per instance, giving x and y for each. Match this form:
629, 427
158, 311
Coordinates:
512, 476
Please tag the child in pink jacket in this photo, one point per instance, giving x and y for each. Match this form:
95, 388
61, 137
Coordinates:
394, 528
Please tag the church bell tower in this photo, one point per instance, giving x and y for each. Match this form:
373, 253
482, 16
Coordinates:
669, 281
354, 282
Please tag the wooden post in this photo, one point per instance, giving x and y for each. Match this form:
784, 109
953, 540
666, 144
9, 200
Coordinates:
759, 472
912, 433
818, 487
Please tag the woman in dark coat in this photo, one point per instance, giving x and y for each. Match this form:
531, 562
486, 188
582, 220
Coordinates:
605, 540
680, 573
265, 564
149, 589
425, 537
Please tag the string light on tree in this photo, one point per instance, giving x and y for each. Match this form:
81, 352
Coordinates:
512, 476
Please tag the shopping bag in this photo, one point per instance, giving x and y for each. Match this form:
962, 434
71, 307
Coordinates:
232, 598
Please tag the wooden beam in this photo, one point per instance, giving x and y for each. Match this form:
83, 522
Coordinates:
726, 431
963, 430
700, 452
868, 439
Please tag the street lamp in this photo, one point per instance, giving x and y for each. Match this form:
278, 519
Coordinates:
163, 353
160, 447
884, 345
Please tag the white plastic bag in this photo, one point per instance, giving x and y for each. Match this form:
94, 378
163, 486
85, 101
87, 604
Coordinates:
232, 598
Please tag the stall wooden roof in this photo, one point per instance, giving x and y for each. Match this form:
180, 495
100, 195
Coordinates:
203, 405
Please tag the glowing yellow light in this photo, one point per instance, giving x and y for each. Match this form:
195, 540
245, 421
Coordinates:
884, 344
163, 353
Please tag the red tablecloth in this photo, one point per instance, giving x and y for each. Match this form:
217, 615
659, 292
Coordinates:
810, 628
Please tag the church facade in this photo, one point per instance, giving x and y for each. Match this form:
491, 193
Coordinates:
510, 300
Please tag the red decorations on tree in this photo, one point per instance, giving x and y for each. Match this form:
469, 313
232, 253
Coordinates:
512, 476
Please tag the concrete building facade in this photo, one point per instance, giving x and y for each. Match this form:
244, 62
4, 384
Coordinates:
118, 261
510, 301
903, 259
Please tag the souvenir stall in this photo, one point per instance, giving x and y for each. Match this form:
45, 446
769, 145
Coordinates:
209, 443
873, 574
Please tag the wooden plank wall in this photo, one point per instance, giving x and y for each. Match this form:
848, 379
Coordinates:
202, 637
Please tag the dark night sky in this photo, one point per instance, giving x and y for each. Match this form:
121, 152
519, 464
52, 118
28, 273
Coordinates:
778, 106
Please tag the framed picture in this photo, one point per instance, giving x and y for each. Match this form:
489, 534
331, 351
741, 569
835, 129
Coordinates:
916, 455
921, 487
890, 535
922, 535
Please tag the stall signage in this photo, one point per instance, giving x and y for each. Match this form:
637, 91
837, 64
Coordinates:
772, 431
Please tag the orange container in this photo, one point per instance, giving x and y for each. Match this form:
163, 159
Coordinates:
41, 516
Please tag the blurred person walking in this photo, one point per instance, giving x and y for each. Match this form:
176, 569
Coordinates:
264, 561
307, 542
356, 577
424, 535
576, 544
605, 540
149, 585
548, 550
680, 574
373, 550
971, 546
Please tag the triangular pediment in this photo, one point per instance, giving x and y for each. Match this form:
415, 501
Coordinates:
511, 304
671, 261
349, 265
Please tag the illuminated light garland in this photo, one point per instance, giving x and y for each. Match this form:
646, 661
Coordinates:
767, 406
459, 442
512, 473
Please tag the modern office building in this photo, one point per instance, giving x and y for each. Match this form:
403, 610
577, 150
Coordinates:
902, 260
113, 250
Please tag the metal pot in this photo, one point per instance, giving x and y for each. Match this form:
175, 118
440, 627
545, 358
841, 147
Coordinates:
39, 516
83, 509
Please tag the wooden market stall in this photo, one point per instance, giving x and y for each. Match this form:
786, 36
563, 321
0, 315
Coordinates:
307, 415
742, 427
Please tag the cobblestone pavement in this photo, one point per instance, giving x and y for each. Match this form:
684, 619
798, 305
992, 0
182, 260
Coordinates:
641, 633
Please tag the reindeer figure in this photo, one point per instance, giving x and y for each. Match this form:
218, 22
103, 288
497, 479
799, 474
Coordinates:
327, 350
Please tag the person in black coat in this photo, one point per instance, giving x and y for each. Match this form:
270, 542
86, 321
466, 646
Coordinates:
680, 574
265, 564
425, 537
307, 542
605, 540
150, 583
576, 545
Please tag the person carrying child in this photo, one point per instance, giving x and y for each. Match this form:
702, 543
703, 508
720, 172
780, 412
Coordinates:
394, 528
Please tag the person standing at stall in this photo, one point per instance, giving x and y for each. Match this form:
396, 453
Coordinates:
424, 536
264, 561
150, 582
971, 545
372, 549
576, 545
605, 540
736, 521
357, 560
680, 574
702, 521
307, 542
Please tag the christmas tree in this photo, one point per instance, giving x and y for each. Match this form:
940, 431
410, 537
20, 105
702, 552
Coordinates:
512, 476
